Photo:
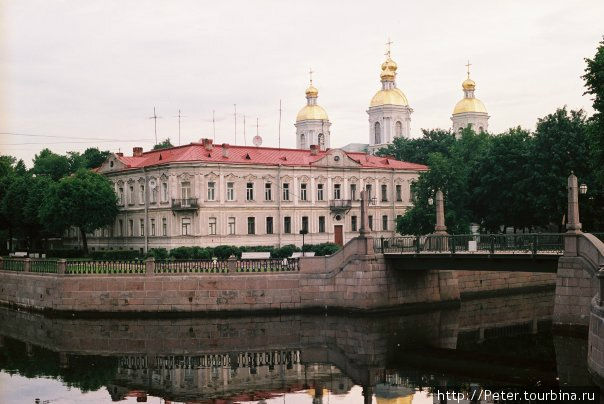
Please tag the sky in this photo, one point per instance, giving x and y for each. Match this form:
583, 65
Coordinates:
82, 73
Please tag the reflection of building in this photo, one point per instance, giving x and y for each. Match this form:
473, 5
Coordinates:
242, 376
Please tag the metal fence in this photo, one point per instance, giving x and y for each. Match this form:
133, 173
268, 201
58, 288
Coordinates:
268, 265
552, 243
44, 265
105, 267
12, 264
190, 266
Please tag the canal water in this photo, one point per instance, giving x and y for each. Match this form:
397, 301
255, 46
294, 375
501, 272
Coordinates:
383, 359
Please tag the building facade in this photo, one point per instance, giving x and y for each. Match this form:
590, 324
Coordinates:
202, 194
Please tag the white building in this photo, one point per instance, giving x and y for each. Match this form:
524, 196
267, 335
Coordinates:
202, 194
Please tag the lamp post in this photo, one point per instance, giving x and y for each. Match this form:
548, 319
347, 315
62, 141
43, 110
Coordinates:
303, 232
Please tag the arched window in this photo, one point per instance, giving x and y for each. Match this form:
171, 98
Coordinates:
302, 141
321, 142
377, 133
398, 129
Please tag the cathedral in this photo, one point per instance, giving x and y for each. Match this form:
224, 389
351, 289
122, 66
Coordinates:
389, 114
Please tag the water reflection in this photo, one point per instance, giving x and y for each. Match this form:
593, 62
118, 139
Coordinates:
299, 358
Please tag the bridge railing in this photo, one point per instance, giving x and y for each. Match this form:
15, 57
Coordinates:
535, 243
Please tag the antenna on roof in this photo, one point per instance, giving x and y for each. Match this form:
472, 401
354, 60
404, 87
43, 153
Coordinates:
213, 125
235, 115
155, 118
279, 124
179, 116
244, 140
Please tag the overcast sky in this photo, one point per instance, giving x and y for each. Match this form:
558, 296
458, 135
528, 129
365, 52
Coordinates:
94, 70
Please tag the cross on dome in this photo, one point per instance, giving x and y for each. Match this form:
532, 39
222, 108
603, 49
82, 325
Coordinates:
468, 66
310, 72
388, 45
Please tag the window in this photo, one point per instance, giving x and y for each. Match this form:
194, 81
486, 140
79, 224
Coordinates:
268, 191
153, 195
231, 225
287, 225
185, 190
152, 233
164, 226
411, 193
320, 192
353, 223
212, 226
142, 227
377, 133
337, 191
249, 191
120, 196
131, 199
251, 225
321, 139
269, 225
398, 129
141, 194
321, 224
399, 193
368, 191
353, 192
302, 141
286, 192
120, 228
130, 227
370, 220
164, 192
211, 191
384, 193
385, 222
230, 191
305, 224
185, 226
303, 192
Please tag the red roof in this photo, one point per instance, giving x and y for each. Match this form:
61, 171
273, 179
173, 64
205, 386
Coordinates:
256, 156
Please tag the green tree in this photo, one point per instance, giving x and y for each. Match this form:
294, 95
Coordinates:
561, 145
500, 184
85, 200
51, 164
594, 84
163, 145
418, 150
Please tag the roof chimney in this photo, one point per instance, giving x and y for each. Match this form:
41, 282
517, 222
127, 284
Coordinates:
119, 154
137, 151
314, 149
225, 150
207, 144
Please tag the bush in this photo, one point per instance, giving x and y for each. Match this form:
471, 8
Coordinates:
158, 253
285, 252
115, 255
225, 251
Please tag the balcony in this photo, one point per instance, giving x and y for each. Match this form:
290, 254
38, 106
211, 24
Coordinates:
185, 204
340, 205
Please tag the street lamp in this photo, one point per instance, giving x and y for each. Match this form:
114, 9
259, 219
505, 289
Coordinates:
303, 232
430, 201
583, 189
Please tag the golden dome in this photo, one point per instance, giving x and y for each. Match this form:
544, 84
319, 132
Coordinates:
389, 68
469, 105
389, 97
468, 84
397, 400
312, 91
310, 112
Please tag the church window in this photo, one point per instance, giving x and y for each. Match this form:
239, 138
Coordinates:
377, 133
302, 141
399, 128
321, 142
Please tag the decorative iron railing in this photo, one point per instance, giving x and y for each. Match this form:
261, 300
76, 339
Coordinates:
190, 266
13, 264
105, 267
538, 243
44, 265
268, 265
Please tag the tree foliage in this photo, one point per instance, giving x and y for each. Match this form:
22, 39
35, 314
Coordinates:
163, 144
594, 85
85, 200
